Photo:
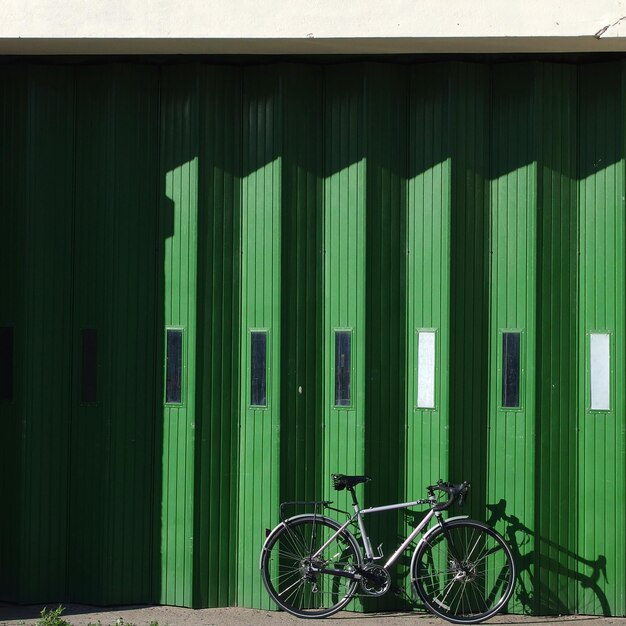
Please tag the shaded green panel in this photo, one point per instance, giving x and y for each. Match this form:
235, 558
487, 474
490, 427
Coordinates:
178, 225
259, 450
111, 554
302, 276
91, 426
47, 339
469, 281
135, 354
555, 540
219, 254
385, 351
511, 451
601, 527
12, 188
428, 272
344, 268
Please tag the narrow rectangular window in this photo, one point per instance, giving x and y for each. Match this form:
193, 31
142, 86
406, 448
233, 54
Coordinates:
6, 363
426, 369
511, 370
258, 368
600, 371
343, 341
89, 383
174, 366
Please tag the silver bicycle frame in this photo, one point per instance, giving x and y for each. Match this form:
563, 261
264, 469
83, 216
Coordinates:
359, 513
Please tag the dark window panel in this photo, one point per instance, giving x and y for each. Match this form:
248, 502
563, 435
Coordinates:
510, 370
258, 369
343, 347
174, 366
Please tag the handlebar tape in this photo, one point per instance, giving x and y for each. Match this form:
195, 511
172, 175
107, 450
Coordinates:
455, 493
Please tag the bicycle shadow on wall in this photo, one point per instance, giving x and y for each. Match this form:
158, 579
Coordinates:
531, 553
531, 592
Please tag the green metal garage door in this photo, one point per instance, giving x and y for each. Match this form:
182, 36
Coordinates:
221, 283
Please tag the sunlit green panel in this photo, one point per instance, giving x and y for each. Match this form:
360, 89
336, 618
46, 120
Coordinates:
512, 333
260, 326
178, 231
428, 277
556, 365
344, 274
601, 451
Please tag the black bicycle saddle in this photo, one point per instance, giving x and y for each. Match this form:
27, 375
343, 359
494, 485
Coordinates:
341, 481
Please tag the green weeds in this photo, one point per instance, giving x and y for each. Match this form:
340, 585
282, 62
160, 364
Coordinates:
53, 617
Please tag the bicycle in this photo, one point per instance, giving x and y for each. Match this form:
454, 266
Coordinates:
462, 569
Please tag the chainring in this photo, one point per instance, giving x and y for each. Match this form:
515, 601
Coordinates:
375, 579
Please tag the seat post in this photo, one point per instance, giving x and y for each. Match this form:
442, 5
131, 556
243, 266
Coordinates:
353, 494
369, 555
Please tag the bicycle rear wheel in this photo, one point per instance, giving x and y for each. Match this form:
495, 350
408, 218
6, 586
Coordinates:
466, 574
291, 573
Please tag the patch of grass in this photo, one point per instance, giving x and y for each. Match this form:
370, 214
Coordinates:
52, 617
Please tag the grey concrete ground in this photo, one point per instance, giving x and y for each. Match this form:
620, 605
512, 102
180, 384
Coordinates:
81, 615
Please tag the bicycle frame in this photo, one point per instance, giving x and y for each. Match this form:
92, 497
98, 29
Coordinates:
360, 513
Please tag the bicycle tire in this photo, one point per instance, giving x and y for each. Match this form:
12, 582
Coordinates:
466, 582
286, 561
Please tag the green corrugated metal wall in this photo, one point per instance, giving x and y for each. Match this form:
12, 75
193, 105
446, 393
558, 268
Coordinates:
219, 263
262, 207
428, 269
601, 520
47, 334
178, 151
12, 163
110, 246
513, 211
461, 201
556, 323
302, 330
345, 136
385, 303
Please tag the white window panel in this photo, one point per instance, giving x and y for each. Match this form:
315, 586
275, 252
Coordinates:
426, 369
600, 371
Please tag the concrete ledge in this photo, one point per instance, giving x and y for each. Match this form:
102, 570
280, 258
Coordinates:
311, 45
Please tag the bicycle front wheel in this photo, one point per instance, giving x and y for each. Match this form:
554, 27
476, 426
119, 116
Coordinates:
465, 574
303, 582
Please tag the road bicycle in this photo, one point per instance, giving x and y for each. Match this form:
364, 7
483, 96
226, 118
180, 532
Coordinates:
313, 565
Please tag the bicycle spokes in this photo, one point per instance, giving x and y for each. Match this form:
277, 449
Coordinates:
465, 573
306, 579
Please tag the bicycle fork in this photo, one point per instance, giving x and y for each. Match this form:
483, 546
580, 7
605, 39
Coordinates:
461, 571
